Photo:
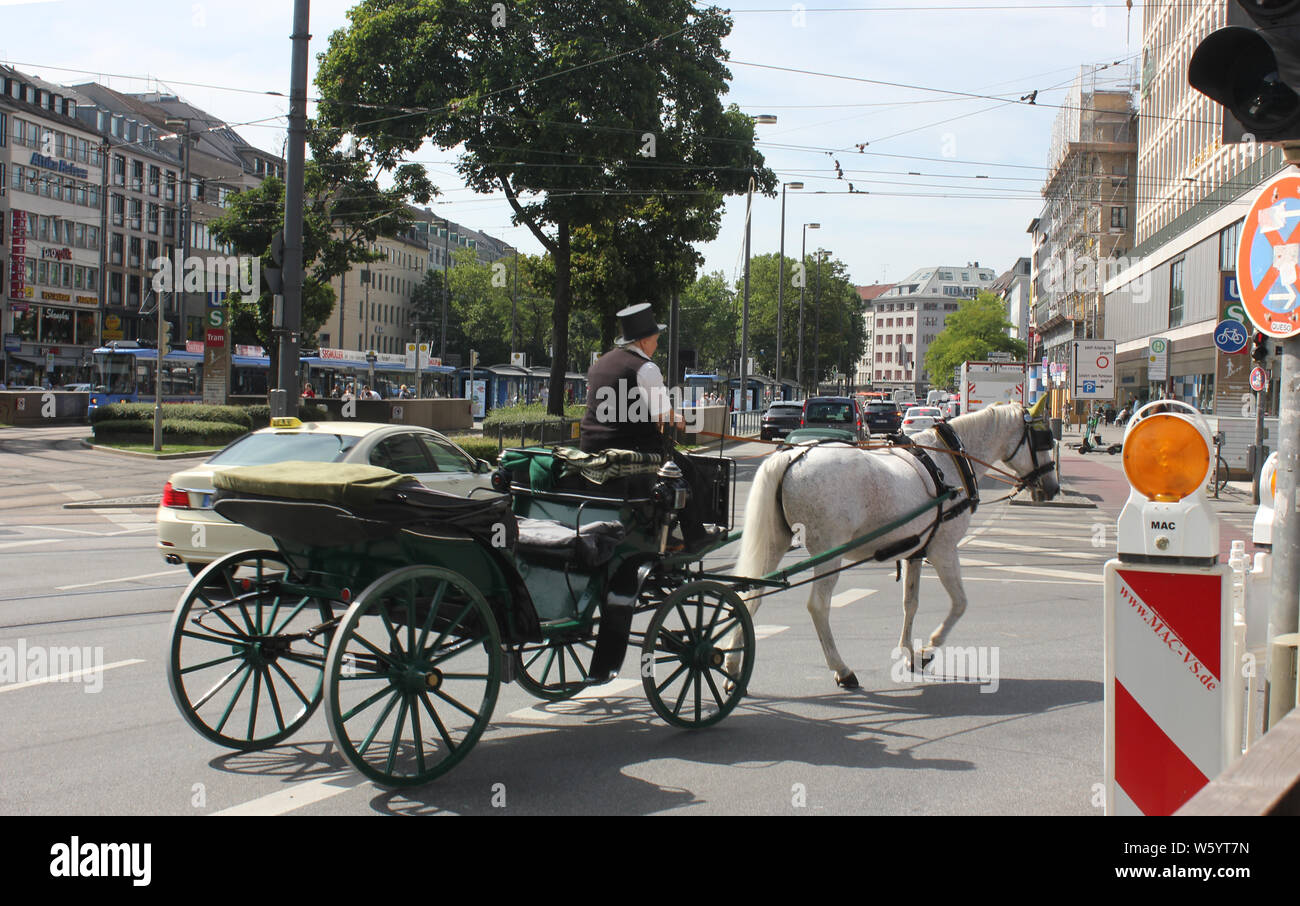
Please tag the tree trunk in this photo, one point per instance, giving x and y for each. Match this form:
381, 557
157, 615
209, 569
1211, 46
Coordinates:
560, 322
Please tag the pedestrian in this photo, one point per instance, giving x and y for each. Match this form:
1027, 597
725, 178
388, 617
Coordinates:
307, 392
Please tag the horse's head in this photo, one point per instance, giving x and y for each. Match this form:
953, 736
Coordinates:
1030, 443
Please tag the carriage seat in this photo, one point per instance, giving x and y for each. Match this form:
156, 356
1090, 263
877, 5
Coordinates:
568, 468
550, 541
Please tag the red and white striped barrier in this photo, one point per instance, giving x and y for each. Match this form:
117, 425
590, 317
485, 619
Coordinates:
1169, 688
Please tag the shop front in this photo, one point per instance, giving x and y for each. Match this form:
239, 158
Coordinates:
47, 343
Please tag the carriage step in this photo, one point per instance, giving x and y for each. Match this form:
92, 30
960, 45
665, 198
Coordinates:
556, 625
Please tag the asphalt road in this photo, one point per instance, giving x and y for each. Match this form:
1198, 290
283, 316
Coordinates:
112, 742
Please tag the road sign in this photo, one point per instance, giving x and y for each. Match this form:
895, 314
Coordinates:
1268, 256
1093, 369
216, 317
1158, 360
1231, 336
1258, 379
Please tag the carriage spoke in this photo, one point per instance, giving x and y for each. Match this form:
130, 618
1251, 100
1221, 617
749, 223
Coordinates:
459, 648
224, 640
234, 698
397, 736
686, 624
275, 700
252, 712
437, 721
681, 698
217, 610
473, 715
713, 689
388, 709
469, 605
676, 673
220, 660
433, 610
289, 619
384, 656
367, 703
219, 686
288, 679
388, 625
550, 659
419, 738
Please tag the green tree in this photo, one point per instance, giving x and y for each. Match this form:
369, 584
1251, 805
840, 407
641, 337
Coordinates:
578, 111
979, 326
710, 321
344, 210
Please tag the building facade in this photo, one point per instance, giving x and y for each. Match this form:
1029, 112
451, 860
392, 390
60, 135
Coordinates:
1193, 193
51, 201
908, 317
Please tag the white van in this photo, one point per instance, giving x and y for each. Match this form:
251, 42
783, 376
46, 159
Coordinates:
904, 397
935, 397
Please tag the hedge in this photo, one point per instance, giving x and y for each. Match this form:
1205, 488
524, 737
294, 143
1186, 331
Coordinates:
143, 412
508, 421
175, 430
307, 412
477, 446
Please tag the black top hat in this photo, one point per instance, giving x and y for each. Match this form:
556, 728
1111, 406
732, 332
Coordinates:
638, 323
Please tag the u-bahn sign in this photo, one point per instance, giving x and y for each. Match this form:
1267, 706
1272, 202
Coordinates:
1268, 257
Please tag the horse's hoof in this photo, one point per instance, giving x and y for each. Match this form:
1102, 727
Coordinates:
848, 682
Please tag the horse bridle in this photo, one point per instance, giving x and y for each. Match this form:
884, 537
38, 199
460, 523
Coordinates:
1040, 440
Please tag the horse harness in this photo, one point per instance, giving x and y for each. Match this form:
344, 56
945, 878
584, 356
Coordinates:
949, 439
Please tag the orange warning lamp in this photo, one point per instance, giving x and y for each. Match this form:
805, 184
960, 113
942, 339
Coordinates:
1166, 458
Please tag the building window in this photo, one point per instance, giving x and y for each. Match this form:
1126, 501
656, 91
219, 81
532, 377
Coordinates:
119, 170
1119, 218
1176, 293
137, 175
1228, 240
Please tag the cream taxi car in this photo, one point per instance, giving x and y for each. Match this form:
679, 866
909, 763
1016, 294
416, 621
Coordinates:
191, 532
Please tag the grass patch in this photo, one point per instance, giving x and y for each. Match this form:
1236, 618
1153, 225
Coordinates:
166, 448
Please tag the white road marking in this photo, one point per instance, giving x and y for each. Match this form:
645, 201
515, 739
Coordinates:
80, 495
298, 796
29, 543
1006, 580
166, 572
74, 675
764, 632
849, 596
1053, 573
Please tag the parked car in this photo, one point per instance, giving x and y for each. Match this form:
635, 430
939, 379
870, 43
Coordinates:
840, 412
918, 418
882, 417
187, 496
780, 419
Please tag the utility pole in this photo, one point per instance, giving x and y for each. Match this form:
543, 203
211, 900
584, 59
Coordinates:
1284, 610
291, 325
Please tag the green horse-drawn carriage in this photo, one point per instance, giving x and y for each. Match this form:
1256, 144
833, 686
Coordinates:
404, 609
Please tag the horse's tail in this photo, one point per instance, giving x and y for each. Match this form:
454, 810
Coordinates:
766, 535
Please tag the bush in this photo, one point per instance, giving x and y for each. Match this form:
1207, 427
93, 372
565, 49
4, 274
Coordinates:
175, 430
477, 446
508, 421
143, 412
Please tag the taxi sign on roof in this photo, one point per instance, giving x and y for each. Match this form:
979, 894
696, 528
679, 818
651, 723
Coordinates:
1268, 257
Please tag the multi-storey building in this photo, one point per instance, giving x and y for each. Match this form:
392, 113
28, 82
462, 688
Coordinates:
1085, 228
51, 235
1013, 287
1193, 193
868, 294
908, 317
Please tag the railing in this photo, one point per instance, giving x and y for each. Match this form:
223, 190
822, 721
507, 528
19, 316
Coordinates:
747, 424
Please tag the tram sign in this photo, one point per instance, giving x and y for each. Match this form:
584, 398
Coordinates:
1268, 257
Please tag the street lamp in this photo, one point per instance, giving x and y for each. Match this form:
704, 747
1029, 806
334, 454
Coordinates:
780, 285
181, 130
803, 253
761, 119
817, 331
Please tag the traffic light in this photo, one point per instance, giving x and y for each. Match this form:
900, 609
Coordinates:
167, 337
1252, 68
1260, 352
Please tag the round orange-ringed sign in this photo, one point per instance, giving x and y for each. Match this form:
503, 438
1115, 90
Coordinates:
1268, 259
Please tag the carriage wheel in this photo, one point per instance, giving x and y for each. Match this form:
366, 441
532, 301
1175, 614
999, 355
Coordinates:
413, 674
683, 659
246, 664
558, 670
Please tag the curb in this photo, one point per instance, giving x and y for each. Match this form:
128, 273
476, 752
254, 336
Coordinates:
117, 503
88, 445
1064, 500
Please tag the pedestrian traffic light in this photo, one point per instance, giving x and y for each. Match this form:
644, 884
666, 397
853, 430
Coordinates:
1252, 68
1260, 352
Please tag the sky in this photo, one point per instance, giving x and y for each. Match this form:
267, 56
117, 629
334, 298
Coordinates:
979, 162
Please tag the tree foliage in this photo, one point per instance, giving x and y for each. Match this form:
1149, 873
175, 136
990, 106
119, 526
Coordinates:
979, 326
579, 111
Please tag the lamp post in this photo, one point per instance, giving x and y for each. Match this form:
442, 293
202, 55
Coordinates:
780, 284
817, 330
761, 119
181, 129
803, 254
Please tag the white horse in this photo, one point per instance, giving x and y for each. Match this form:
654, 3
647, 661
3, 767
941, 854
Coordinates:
839, 493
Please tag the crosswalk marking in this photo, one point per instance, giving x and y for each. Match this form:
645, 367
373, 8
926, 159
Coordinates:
847, 597
547, 710
298, 796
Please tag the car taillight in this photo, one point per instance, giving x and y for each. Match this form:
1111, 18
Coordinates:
174, 498
907, 421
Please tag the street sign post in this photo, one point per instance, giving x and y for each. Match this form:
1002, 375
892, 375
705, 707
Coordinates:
1268, 258
1231, 337
1158, 360
1093, 369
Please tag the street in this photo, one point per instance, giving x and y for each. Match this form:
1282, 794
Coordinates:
1019, 733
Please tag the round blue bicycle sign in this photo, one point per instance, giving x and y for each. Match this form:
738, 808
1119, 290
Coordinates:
1231, 336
